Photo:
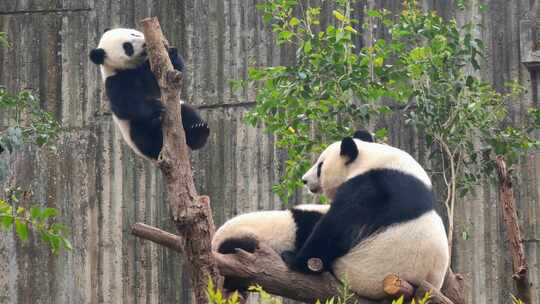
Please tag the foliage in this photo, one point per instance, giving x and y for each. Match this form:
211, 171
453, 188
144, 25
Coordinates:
28, 124
330, 88
216, 297
459, 113
3, 40
424, 300
424, 66
346, 297
516, 300
38, 218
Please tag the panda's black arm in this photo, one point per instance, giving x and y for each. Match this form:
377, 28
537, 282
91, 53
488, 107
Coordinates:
129, 101
349, 220
176, 60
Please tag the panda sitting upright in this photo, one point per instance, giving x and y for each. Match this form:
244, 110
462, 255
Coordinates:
134, 94
381, 220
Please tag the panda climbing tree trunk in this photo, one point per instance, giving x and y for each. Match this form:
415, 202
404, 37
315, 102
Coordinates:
191, 213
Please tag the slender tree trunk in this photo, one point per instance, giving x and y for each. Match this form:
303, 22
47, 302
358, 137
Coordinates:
191, 213
515, 244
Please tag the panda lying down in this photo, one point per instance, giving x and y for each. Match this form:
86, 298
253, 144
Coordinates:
134, 93
381, 221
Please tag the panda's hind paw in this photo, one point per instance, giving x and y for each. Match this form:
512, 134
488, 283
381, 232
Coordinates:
197, 135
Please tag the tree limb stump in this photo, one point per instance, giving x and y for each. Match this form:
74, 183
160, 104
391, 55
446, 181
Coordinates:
396, 287
513, 233
191, 213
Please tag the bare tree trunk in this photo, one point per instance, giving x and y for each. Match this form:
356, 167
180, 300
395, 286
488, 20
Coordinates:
519, 265
191, 213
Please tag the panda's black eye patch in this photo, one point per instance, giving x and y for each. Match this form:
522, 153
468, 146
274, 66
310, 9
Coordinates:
128, 48
319, 168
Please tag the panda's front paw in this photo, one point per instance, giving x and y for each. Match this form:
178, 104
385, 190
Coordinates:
295, 262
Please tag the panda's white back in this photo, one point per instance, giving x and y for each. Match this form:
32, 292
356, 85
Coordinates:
416, 250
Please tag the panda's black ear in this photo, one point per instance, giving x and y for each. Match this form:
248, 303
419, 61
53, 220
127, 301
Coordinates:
106, 29
364, 135
97, 56
349, 149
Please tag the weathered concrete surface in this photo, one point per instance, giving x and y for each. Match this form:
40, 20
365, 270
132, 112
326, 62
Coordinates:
101, 187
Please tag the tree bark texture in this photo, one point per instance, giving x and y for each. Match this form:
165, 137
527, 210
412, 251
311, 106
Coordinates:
513, 233
191, 213
266, 268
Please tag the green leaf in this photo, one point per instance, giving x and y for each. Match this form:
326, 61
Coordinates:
398, 301
21, 229
339, 16
349, 28
6, 221
374, 13
378, 62
381, 133
49, 212
294, 21
35, 213
307, 47
418, 54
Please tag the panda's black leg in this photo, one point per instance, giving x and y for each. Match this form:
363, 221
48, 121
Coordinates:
176, 59
196, 128
1, 149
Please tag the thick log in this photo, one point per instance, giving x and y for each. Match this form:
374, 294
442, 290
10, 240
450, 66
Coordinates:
191, 213
266, 268
513, 233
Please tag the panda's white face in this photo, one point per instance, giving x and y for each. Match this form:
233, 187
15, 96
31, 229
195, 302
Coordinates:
119, 49
348, 158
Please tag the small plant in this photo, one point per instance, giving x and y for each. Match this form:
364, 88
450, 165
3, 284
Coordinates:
264, 297
28, 122
516, 300
3, 40
37, 218
215, 296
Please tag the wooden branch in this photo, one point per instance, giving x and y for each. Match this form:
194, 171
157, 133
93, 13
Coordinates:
266, 268
519, 265
158, 236
436, 297
191, 213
